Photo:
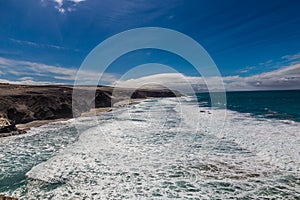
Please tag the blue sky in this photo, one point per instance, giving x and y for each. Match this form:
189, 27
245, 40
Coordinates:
47, 40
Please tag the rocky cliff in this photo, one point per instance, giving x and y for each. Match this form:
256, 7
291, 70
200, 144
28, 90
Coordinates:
23, 103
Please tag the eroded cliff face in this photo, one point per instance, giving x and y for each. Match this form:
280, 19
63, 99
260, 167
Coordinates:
23, 103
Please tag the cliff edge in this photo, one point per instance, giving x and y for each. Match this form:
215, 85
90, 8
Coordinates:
26, 103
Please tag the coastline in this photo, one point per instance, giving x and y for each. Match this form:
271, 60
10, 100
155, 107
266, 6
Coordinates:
240, 127
26, 106
22, 128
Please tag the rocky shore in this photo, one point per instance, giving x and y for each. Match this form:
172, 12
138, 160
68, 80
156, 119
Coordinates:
2, 197
21, 104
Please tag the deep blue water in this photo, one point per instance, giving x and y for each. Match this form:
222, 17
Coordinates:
283, 105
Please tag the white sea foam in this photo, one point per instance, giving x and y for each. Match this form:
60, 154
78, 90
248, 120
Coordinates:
169, 148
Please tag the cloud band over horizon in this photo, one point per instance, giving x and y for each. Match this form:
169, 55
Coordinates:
25, 72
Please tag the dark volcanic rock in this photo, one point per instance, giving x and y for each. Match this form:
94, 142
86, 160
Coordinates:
6, 125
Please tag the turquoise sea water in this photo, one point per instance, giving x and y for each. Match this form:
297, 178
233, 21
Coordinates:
283, 105
162, 149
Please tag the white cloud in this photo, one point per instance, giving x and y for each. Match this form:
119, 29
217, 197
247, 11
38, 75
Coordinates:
287, 77
165, 79
174, 81
59, 2
77, 1
62, 7
26, 78
23, 69
287, 60
28, 82
284, 78
34, 44
292, 57
246, 69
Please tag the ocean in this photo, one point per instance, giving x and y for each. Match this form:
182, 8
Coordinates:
163, 149
283, 105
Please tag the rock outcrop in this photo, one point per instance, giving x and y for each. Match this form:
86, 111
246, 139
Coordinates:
6, 125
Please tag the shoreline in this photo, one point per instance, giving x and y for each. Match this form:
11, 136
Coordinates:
22, 128
26, 106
